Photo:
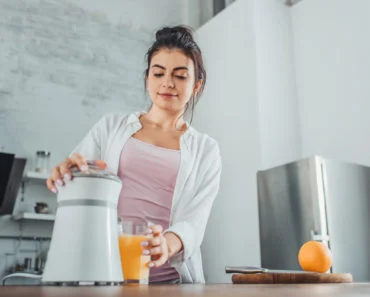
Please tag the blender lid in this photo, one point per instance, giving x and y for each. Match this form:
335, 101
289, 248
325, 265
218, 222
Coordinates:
96, 172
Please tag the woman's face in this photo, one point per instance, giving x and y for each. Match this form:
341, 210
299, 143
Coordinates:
171, 80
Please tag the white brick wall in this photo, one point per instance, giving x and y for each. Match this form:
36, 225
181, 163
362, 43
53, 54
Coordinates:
63, 65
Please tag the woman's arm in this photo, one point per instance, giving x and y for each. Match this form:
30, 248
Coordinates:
88, 149
190, 223
174, 244
162, 246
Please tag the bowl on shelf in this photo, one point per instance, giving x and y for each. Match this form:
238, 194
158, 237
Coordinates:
41, 207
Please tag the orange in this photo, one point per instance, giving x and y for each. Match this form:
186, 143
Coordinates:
315, 256
101, 164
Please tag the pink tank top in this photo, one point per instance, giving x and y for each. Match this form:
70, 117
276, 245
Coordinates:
148, 175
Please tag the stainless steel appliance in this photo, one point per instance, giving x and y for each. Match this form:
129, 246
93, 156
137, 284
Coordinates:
316, 199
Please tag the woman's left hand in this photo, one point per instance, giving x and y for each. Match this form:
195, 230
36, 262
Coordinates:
157, 247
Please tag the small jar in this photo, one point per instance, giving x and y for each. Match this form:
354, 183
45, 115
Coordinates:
42, 161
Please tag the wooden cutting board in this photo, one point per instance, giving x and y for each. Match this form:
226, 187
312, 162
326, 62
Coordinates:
291, 278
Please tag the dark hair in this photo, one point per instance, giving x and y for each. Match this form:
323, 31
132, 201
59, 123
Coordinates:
180, 37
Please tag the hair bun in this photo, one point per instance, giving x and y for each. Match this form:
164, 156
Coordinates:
174, 32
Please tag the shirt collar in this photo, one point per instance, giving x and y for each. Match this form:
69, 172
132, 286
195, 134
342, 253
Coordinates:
133, 119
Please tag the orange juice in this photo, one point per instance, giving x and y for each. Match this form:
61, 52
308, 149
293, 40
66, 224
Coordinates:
135, 265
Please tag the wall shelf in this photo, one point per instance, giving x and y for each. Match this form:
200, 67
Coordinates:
22, 237
33, 175
34, 216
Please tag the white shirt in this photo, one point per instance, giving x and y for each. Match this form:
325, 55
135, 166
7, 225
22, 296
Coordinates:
195, 190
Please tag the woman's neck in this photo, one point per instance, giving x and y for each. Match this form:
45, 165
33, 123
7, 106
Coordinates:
165, 120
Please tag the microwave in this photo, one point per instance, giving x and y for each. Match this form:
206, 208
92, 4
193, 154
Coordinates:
11, 174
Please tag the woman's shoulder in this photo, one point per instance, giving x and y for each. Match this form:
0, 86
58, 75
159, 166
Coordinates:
205, 141
206, 149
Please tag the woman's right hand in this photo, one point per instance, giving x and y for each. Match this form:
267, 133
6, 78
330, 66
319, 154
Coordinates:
62, 173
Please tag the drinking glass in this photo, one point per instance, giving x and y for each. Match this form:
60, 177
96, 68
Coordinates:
135, 265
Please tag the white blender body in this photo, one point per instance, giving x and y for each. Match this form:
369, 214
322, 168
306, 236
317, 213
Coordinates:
84, 245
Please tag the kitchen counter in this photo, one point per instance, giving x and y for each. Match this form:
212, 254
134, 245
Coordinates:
304, 290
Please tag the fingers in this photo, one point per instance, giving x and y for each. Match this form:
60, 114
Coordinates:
61, 174
54, 180
158, 252
57, 176
64, 170
79, 161
158, 263
50, 185
156, 247
157, 240
155, 229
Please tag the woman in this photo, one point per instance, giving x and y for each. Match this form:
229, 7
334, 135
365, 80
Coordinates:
170, 171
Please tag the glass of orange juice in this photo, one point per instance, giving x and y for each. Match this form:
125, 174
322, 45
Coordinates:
135, 265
